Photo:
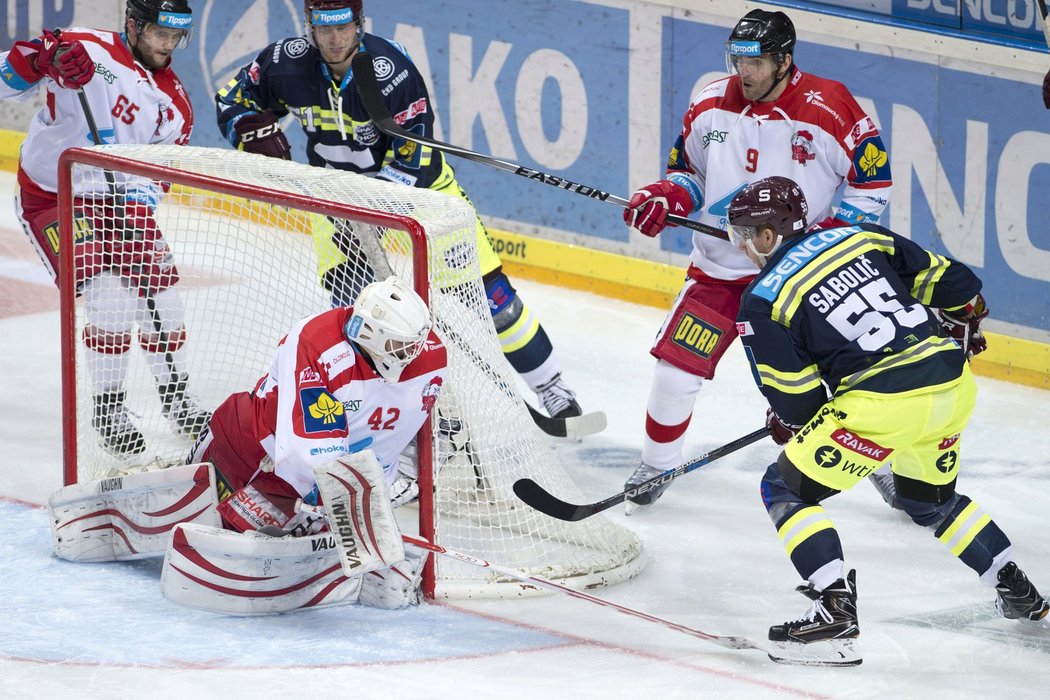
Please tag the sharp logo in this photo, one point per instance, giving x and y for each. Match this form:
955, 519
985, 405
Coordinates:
345, 532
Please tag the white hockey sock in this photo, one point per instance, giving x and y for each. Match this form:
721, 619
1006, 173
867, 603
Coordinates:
671, 400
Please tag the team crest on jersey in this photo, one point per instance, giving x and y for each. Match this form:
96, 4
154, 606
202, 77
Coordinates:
309, 376
430, 394
696, 335
296, 47
947, 461
322, 413
802, 147
871, 162
384, 67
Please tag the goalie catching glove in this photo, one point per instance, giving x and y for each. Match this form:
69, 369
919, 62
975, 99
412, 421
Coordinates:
261, 133
963, 325
65, 62
648, 209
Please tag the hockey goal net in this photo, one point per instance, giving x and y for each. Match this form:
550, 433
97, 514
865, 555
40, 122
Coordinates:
241, 229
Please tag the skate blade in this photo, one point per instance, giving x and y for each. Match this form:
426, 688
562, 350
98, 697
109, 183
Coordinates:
833, 652
630, 507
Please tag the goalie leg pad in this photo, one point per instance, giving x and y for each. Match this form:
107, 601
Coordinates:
250, 573
128, 517
397, 586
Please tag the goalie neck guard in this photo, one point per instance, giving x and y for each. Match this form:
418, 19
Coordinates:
391, 323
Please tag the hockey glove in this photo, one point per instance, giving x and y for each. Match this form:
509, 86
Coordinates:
1046, 89
963, 325
780, 431
648, 209
65, 62
260, 133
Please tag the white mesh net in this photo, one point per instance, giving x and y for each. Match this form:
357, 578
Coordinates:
154, 354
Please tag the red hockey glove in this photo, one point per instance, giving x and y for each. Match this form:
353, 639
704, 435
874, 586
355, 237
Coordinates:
1046, 89
65, 62
648, 209
963, 325
260, 133
780, 431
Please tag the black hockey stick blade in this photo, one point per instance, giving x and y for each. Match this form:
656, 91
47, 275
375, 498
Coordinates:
542, 500
573, 427
368, 89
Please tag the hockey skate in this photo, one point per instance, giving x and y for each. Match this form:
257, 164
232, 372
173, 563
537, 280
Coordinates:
882, 480
558, 399
182, 409
642, 474
117, 433
1018, 599
826, 634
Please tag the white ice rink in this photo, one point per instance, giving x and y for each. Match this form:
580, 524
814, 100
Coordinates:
104, 631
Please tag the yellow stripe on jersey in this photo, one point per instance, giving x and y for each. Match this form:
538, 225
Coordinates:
794, 291
520, 332
918, 352
799, 382
925, 282
803, 525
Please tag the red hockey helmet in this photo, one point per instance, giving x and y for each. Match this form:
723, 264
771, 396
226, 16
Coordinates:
776, 202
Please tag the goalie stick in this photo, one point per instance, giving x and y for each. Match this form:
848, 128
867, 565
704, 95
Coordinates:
728, 642
542, 500
368, 89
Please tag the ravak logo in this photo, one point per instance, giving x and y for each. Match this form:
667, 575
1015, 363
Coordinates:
696, 335
865, 448
827, 457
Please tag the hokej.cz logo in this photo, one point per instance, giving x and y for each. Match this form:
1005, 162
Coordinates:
322, 413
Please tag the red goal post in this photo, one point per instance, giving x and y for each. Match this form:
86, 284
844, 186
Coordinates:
240, 227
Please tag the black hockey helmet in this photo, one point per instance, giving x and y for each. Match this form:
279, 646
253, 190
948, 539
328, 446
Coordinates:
765, 32
775, 201
172, 14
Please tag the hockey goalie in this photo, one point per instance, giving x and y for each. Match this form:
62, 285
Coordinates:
261, 519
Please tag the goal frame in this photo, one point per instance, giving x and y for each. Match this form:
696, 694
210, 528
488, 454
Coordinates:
67, 294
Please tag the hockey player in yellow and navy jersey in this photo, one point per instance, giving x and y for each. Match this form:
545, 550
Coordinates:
885, 328
310, 77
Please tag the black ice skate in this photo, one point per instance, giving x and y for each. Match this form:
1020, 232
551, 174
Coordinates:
826, 634
1018, 599
117, 433
182, 409
642, 474
558, 399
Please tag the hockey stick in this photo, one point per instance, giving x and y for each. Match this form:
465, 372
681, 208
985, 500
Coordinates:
368, 89
542, 500
729, 642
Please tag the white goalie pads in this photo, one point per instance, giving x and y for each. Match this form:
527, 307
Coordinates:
128, 517
360, 516
250, 573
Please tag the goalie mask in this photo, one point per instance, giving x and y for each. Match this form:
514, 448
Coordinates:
391, 323
775, 202
332, 13
174, 15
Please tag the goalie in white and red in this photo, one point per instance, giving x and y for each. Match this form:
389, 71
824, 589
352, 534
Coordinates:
345, 380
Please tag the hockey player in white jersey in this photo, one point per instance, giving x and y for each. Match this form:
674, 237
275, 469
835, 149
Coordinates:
345, 380
767, 118
135, 98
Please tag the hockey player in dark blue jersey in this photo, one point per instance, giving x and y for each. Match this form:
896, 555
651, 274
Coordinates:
310, 77
885, 328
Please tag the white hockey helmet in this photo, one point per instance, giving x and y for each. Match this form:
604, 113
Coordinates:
391, 323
